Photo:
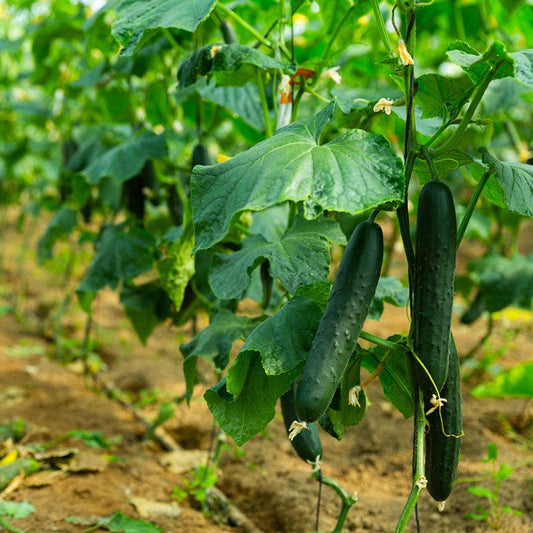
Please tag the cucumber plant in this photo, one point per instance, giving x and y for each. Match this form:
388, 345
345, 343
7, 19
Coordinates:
327, 124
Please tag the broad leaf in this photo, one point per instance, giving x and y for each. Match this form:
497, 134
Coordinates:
146, 306
514, 383
351, 173
444, 164
248, 414
477, 65
516, 183
242, 101
119, 257
231, 62
134, 17
116, 523
16, 509
439, 96
394, 376
22, 465
340, 413
64, 221
524, 66
126, 160
389, 290
299, 258
214, 343
285, 338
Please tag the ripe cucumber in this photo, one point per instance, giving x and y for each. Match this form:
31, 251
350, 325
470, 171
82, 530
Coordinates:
339, 328
307, 443
442, 453
433, 284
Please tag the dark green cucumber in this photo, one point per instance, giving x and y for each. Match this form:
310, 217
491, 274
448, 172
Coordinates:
433, 284
475, 310
442, 452
339, 328
307, 443
200, 155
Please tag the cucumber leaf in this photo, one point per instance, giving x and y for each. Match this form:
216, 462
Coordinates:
394, 376
351, 173
389, 290
444, 164
516, 183
514, 383
134, 17
16, 509
250, 412
61, 225
300, 257
285, 338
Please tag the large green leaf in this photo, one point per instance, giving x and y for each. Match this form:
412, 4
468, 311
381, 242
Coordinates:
244, 416
476, 65
119, 257
394, 376
351, 173
243, 102
64, 221
515, 383
214, 343
126, 160
524, 66
389, 290
438, 95
300, 257
516, 183
284, 339
232, 64
444, 164
134, 17
16, 509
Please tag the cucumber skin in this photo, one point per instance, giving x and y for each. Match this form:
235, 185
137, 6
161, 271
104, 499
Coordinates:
433, 284
307, 444
339, 328
442, 453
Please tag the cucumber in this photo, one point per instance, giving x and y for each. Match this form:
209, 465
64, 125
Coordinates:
433, 284
475, 310
307, 443
339, 328
200, 155
442, 453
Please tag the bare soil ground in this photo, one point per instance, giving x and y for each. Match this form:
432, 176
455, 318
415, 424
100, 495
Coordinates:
267, 481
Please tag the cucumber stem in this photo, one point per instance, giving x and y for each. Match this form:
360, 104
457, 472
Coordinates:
264, 104
227, 11
385, 38
419, 479
346, 499
384, 343
472, 205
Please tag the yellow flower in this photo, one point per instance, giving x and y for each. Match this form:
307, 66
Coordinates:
215, 50
222, 157
405, 56
295, 428
383, 104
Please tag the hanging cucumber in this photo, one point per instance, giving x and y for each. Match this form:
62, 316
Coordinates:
433, 284
339, 328
200, 155
442, 452
306, 444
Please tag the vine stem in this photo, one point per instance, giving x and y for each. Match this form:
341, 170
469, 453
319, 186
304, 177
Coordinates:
465, 121
264, 104
419, 479
384, 343
347, 500
385, 38
335, 33
239, 20
472, 205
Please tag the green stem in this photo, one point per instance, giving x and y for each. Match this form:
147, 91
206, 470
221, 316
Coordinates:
314, 93
430, 163
384, 343
335, 33
228, 12
472, 206
171, 39
385, 38
459, 24
264, 104
418, 477
347, 500
449, 143
6, 525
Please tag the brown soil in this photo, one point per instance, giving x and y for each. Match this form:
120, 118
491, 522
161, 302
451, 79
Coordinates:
267, 481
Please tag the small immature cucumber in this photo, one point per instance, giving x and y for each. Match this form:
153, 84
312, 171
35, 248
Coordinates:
200, 155
433, 284
442, 452
307, 443
339, 328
